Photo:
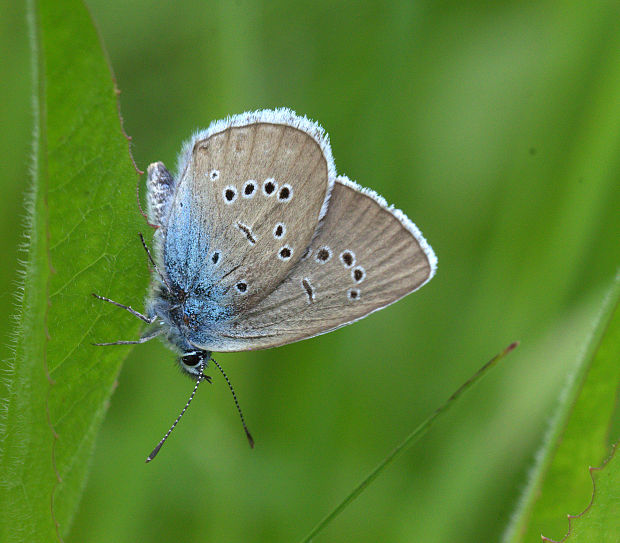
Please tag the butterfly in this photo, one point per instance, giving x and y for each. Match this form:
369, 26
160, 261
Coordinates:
259, 243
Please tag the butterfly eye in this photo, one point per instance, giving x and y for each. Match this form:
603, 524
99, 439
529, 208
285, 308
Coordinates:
192, 359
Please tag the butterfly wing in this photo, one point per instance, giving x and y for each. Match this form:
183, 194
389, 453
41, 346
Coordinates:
365, 256
251, 192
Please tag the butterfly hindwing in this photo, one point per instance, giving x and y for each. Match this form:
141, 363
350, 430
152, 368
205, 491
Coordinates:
364, 257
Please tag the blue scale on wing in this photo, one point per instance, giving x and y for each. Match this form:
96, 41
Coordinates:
187, 254
240, 226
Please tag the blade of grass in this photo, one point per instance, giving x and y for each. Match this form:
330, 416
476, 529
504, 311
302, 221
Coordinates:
412, 438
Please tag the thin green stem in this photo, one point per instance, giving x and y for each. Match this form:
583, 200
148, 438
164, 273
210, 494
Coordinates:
408, 441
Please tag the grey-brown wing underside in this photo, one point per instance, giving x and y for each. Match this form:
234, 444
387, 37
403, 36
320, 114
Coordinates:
246, 207
365, 257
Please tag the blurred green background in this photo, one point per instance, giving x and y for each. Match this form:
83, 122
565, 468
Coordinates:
496, 127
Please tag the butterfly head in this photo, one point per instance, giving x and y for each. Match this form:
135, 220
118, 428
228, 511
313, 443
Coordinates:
194, 362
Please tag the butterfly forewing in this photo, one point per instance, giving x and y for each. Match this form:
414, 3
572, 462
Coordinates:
247, 205
364, 257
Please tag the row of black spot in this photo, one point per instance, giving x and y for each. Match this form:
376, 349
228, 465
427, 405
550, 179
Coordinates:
358, 274
324, 254
270, 187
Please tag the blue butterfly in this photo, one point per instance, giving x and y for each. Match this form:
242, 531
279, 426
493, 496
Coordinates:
259, 243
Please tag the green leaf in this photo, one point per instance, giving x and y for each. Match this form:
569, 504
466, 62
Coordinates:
578, 436
81, 237
600, 521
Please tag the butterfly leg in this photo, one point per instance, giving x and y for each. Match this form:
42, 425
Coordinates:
148, 253
148, 320
143, 339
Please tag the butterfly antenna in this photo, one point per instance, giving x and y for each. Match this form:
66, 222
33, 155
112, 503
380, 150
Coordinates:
201, 378
161, 275
247, 432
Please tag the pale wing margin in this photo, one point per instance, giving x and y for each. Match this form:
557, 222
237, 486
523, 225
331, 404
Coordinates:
283, 116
